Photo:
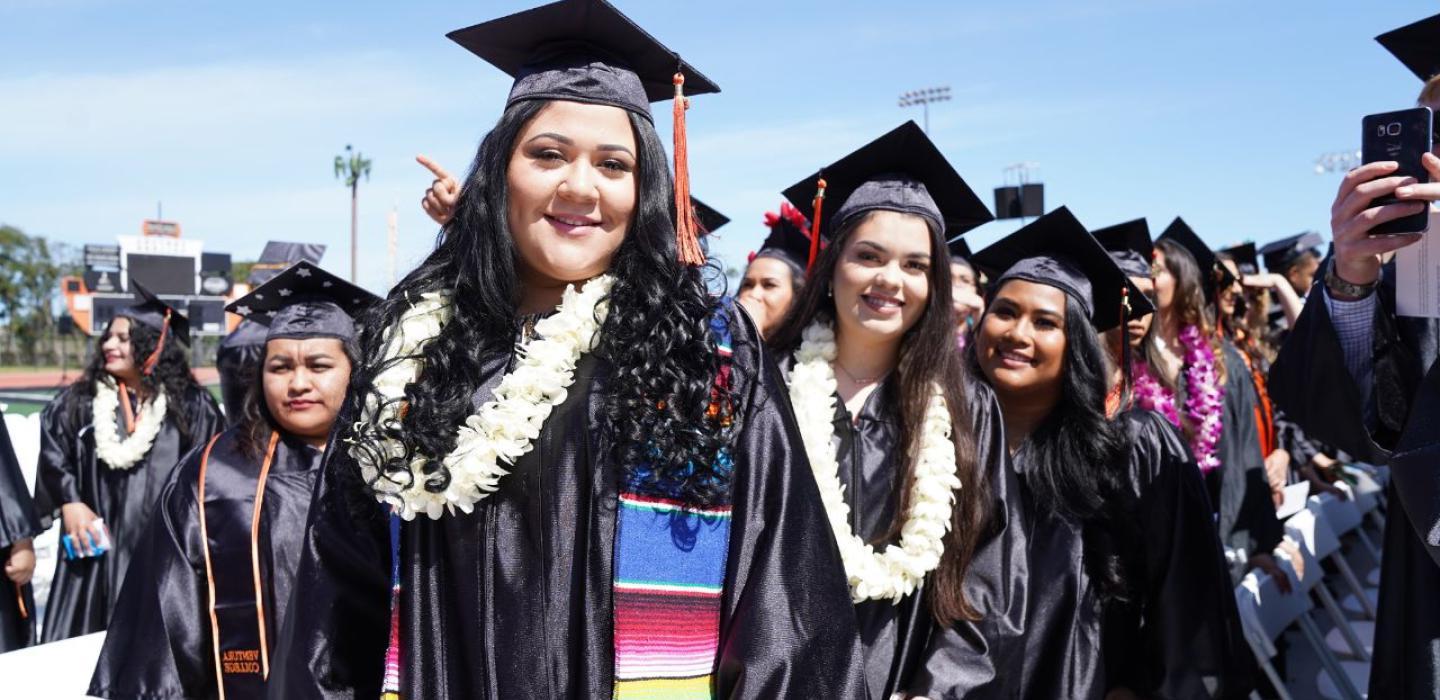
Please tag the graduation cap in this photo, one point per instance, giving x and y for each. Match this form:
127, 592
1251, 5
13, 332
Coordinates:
1213, 276
587, 51
1245, 257
279, 255
149, 310
789, 237
960, 249
1417, 46
1280, 255
1056, 250
304, 301
581, 51
709, 219
901, 171
1130, 246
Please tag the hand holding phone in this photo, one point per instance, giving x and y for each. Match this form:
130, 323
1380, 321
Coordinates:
1402, 137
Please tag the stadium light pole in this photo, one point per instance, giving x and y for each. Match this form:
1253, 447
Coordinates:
923, 98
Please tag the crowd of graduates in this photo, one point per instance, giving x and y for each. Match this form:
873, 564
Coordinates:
552, 463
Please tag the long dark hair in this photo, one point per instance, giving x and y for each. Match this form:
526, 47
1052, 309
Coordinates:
656, 338
172, 375
1188, 303
1079, 458
255, 420
927, 357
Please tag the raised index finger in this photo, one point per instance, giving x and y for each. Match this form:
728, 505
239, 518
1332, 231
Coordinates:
433, 167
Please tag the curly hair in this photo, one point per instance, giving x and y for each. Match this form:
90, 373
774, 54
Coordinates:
656, 338
1079, 459
927, 357
172, 374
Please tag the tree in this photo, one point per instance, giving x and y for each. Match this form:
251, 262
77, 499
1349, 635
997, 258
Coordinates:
350, 167
30, 271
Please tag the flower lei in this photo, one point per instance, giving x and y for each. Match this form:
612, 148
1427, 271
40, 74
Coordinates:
503, 430
113, 451
1204, 397
898, 570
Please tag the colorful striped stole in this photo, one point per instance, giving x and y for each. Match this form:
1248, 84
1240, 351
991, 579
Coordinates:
670, 575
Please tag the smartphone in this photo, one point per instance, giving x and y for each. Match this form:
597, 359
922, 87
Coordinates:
1404, 137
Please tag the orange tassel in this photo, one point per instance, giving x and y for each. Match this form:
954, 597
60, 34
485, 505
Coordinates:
128, 412
20, 600
815, 225
687, 239
154, 358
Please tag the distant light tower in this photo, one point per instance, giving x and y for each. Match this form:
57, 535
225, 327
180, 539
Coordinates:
924, 98
1337, 162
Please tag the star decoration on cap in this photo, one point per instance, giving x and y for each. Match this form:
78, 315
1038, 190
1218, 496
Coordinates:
285, 292
303, 272
242, 310
327, 284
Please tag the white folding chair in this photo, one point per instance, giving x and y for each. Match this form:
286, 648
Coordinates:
1316, 541
1342, 517
1265, 613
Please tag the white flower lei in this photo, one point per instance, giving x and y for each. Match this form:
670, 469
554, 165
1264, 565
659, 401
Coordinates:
898, 570
504, 428
114, 452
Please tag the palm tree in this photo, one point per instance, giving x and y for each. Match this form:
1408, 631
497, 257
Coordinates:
351, 166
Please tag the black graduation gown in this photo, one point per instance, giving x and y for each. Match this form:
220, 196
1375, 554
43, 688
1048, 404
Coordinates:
894, 635
1311, 382
514, 600
18, 521
1181, 637
83, 592
159, 644
1239, 488
1044, 633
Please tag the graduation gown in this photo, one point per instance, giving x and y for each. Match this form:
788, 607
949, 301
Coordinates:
1181, 637
895, 636
18, 521
1044, 633
1401, 427
83, 591
515, 599
238, 362
160, 639
1239, 488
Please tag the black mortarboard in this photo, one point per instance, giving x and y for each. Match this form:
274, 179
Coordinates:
1181, 233
1280, 255
581, 51
709, 219
304, 301
1130, 246
279, 255
960, 249
900, 171
1245, 257
1417, 46
789, 236
151, 311
1056, 250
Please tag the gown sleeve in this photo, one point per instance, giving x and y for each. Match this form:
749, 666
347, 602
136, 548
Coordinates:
333, 641
18, 519
206, 419
970, 659
158, 644
57, 476
1247, 513
1181, 637
788, 626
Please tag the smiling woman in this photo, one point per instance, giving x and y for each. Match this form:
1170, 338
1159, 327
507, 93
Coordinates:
564, 460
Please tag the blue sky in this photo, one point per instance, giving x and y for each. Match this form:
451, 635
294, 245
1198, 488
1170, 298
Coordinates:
231, 113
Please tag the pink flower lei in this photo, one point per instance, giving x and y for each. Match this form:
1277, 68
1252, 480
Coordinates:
1204, 398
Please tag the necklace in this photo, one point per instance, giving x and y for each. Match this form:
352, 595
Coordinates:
109, 447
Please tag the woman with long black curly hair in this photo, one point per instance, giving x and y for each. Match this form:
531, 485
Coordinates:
1106, 578
604, 499
108, 443
899, 444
